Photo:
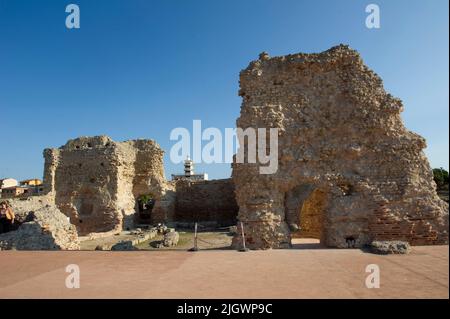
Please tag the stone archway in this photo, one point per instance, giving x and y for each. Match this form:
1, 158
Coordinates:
305, 211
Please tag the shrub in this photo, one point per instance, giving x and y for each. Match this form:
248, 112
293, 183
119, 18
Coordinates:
440, 176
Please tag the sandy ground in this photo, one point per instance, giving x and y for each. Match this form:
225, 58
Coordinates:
309, 272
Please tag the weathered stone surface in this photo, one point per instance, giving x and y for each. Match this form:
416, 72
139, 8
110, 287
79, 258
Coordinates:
103, 247
161, 228
171, 239
136, 231
169, 230
164, 209
390, 247
124, 245
96, 181
345, 157
42, 227
152, 233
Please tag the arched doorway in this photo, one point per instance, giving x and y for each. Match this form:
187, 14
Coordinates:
145, 204
311, 215
305, 214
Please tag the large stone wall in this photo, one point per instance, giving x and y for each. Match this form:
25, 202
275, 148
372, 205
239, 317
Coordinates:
206, 201
340, 134
96, 181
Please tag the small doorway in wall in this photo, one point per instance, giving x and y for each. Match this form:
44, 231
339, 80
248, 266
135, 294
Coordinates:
145, 204
311, 216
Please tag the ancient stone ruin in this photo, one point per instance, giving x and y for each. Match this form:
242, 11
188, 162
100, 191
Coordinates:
349, 171
97, 182
39, 226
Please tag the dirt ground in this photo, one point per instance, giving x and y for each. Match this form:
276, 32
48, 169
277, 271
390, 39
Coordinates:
205, 240
91, 244
307, 272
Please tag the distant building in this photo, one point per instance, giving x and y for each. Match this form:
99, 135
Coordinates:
31, 182
10, 188
34, 185
16, 191
189, 173
7, 182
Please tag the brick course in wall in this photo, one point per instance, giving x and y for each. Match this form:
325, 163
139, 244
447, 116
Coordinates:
206, 201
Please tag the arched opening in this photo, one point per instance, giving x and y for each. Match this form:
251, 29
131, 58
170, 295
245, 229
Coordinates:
305, 213
145, 204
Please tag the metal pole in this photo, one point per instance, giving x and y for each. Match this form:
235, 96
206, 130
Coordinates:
195, 238
195, 248
243, 238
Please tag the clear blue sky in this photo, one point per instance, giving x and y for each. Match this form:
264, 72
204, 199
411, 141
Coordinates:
139, 68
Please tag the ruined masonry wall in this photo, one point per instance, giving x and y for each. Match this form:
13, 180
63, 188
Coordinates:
95, 181
206, 201
342, 134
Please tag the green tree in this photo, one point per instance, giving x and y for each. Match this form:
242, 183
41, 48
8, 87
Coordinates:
440, 176
145, 199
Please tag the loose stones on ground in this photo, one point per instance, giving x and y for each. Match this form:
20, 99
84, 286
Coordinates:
390, 247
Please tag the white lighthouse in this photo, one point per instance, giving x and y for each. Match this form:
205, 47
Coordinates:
188, 167
189, 172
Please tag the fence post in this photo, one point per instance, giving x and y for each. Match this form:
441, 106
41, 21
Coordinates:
195, 248
243, 249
